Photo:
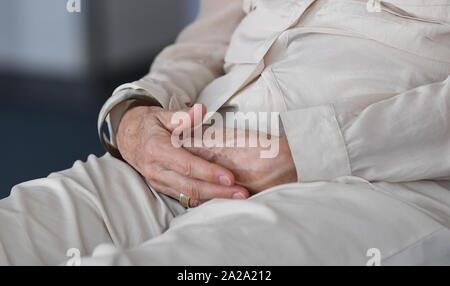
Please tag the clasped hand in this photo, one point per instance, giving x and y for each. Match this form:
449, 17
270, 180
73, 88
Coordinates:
200, 172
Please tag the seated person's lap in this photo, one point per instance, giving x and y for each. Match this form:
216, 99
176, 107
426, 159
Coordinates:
101, 201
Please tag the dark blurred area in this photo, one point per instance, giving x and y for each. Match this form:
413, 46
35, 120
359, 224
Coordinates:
57, 68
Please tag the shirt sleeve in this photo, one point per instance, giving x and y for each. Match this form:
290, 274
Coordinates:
402, 138
181, 70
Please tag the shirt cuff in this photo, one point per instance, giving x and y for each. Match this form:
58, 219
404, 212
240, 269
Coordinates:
316, 143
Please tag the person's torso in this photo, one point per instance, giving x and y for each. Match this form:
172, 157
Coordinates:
300, 53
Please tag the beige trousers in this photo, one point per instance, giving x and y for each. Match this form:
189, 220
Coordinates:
101, 201
106, 211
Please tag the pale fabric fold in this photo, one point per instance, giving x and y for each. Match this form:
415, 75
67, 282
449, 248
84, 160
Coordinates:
316, 143
105, 209
400, 139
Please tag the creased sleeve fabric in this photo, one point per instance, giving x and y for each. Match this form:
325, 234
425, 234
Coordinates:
402, 138
181, 70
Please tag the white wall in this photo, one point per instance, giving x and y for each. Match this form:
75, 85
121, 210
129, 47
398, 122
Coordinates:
41, 37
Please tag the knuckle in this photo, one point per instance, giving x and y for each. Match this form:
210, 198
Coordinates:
192, 190
187, 169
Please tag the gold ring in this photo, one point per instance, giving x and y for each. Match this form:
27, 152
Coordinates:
184, 200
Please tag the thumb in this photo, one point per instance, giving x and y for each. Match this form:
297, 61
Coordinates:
184, 119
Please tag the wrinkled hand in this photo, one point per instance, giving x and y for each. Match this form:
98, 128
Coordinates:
144, 141
249, 168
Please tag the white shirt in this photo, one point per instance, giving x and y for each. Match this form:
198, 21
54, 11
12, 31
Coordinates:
360, 93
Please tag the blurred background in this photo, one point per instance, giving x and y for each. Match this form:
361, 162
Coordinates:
57, 68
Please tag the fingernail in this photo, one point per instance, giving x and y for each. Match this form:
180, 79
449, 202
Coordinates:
224, 180
238, 196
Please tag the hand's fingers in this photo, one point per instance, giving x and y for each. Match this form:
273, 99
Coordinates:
189, 165
199, 190
161, 188
197, 113
183, 119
